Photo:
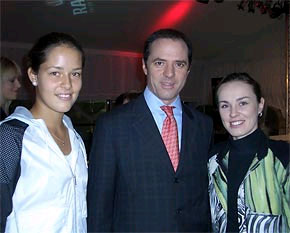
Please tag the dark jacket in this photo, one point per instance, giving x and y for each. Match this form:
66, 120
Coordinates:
132, 184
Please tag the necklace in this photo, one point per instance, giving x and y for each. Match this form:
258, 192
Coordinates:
62, 141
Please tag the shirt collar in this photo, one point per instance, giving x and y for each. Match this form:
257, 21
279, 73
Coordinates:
154, 103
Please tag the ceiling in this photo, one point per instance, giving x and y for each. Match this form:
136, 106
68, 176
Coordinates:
214, 28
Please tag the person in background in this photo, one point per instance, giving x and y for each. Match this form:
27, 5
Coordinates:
148, 161
10, 84
43, 169
249, 183
126, 97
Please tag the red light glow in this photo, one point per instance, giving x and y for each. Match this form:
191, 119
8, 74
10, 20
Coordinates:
173, 15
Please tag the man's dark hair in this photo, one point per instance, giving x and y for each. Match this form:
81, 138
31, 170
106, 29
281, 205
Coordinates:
167, 34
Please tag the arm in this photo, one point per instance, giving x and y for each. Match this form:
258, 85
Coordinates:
286, 190
11, 135
284, 177
211, 143
5, 196
281, 150
102, 172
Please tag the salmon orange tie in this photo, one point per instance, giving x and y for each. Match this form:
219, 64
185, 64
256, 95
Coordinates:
170, 135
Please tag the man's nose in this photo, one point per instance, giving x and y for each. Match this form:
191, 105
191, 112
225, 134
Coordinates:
169, 70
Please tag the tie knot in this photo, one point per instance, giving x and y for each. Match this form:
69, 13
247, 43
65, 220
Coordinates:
168, 110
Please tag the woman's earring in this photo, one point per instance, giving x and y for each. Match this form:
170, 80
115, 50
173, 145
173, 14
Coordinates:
260, 114
34, 83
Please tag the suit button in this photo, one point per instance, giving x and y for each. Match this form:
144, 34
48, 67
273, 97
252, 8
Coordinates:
179, 211
176, 180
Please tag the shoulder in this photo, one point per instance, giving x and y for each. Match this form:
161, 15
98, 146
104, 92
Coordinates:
112, 116
196, 114
219, 148
136, 106
216, 154
281, 150
200, 122
108, 121
12, 126
12, 131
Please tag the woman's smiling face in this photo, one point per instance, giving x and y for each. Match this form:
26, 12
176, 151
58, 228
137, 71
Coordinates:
59, 79
239, 108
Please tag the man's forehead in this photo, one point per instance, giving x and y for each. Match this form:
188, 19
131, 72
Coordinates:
170, 52
171, 41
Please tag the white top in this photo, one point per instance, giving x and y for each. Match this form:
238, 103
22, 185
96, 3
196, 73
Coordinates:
50, 196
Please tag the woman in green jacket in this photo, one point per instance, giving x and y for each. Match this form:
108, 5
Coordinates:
249, 183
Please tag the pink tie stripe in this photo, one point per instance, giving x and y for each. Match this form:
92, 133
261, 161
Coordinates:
170, 135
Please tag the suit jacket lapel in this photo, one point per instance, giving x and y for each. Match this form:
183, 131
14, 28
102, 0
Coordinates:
146, 128
189, 137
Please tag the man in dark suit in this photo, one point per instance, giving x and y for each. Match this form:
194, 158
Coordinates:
134, 183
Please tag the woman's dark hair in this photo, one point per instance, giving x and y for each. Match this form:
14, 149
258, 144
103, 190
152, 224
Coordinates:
167, 34
243, 77
37, 54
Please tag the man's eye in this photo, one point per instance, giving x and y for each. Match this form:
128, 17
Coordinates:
76, 74
180, 64
159, 63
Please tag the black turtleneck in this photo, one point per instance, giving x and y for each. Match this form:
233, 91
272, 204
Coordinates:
242, 152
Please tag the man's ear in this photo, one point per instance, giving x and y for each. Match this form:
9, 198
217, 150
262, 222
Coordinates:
144, 66
32, 76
